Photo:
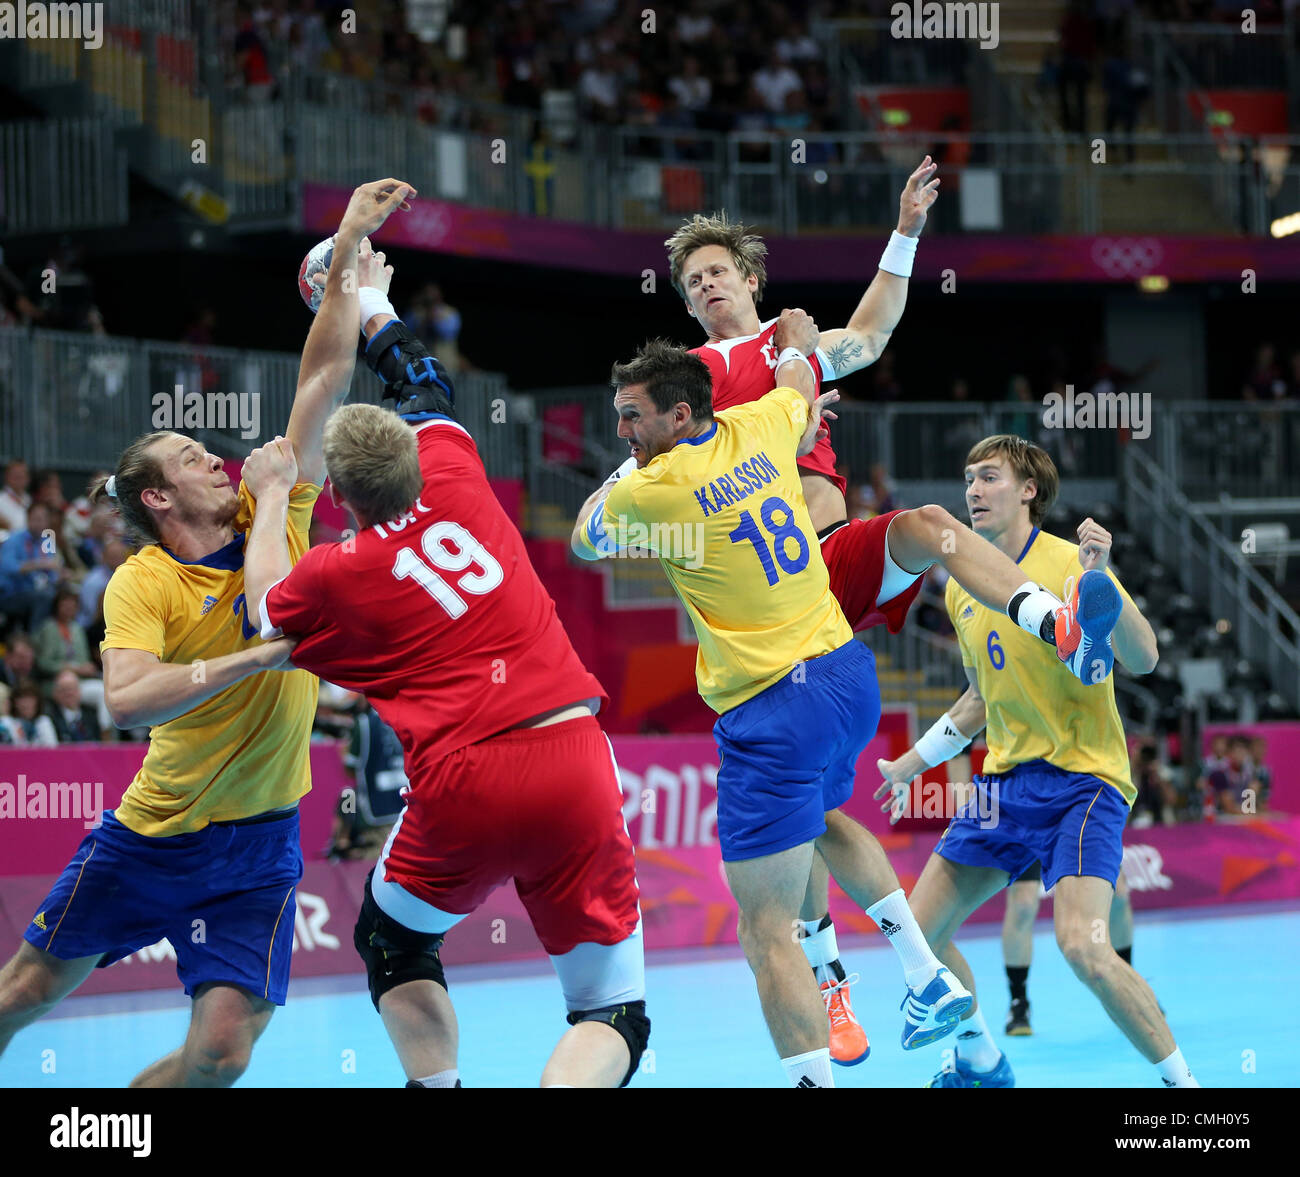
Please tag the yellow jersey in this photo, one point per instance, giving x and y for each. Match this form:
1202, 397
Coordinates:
726, 516
1037, 710
245, 750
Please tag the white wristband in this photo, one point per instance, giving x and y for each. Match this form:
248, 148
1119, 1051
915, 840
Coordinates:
941, 743
898, 255
626, 468
374, 302
793, 353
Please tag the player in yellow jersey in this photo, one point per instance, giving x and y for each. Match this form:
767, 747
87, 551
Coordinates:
203, 849
717, 498
1056, 786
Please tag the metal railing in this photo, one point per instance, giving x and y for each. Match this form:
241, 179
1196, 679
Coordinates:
60, 174
1265, 628
74, 401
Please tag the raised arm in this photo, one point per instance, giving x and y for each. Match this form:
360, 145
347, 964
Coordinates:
588, 540
325, 374
269, 473
861, 342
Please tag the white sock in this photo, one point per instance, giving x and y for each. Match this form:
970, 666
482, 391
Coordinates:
1175, 1072
441, 1079
1035, 604
810, 1070
820, 948
975, 1044
896, 921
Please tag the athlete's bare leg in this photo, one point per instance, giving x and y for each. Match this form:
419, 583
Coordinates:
1121, 917
421, 1023
1018, 925
769, 891
944, 896
591, 1054
1082, 920
816, 899
930, 535
225, 1021
32, 983
856, 860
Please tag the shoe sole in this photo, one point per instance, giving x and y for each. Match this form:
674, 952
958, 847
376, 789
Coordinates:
950, 1015
1099, 605
852, 1062
1019, 1032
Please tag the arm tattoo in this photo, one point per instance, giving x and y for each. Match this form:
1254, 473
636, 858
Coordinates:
842, 352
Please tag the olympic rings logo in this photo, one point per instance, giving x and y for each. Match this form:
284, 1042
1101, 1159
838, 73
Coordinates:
1127, 257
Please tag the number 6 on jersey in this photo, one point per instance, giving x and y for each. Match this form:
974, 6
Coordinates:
450, 547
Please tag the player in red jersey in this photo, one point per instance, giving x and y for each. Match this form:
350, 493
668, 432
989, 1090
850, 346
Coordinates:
435, 613
877, 565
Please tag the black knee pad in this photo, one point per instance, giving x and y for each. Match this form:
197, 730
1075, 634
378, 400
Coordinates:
629, 1020
394, 954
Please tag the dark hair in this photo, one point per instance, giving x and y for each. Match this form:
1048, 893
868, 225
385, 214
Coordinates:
671, 376
137, 471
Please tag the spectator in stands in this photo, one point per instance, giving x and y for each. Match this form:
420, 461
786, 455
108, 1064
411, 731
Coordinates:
1157, 799
692, 89
85, 528
775, 81
15, 306
31, 570
61, 643
366, 812
19, 661
14, 499
1260, 771
74, 722
62, 289
797, 45
1264, 381
47, 490
437, 324
6, 732
598, 89
251, 57
880, 491
1126, 88
1024, 423
29, 724
695, 24
884, 384
1233, 787
1078, 48
90, 615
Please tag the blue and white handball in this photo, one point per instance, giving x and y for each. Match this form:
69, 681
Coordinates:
316, 262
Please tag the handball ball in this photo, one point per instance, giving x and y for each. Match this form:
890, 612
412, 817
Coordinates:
316, 262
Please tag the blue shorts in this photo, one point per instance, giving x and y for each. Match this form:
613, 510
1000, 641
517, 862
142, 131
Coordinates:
223, 897
1071, 822
787, 756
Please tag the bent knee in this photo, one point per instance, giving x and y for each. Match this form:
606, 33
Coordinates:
1088, 958
221, 1062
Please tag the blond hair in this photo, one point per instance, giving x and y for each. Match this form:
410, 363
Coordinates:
1026, 461
138, 470
747, 249
373, 461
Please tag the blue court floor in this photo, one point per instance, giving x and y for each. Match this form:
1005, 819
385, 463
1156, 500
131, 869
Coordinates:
1223, 979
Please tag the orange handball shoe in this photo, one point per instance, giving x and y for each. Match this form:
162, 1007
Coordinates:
849, 1045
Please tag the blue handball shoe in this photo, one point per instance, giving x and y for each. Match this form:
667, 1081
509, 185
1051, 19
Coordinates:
962, 1076
1084, 625
933, 1013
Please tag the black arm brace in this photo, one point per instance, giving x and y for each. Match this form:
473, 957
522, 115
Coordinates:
416, 383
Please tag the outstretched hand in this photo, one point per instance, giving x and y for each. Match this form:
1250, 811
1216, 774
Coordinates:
920, 192
372, 204
270, 467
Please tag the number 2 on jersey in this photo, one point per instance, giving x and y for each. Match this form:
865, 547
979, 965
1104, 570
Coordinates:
781, 532
448, 546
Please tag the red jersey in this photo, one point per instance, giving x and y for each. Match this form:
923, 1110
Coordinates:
438, 617
744, 369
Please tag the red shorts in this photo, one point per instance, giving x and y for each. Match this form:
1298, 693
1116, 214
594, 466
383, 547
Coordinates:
855, 558
542, 806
